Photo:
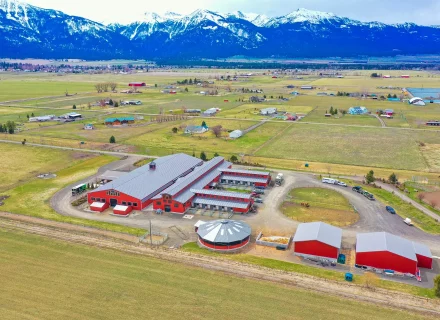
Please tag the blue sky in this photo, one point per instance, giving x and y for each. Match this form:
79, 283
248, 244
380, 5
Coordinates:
425, 12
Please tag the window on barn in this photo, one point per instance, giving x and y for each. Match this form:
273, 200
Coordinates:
129, 203
158, 203
103, 200
93, 199
124, 203
135, 204
176, 205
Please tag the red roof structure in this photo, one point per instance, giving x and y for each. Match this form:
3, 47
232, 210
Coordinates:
137, 84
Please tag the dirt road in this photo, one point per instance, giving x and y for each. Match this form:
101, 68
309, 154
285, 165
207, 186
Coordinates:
341, 289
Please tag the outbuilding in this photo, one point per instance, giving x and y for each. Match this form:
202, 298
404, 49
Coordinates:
318, 239
224, 235
121, 210
385, 251
99, 206
236, 134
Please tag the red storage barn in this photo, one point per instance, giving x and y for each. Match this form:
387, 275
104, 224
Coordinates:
99, 206
424, 255
318, 239
385, 251
122, 210
137, 84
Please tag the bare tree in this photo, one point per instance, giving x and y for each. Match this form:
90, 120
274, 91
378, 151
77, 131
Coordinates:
113, 85
421, 196
105, 87
217, 130
98, 87
434, 203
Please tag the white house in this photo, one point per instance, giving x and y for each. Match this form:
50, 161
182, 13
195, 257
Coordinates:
268, 111
236, 134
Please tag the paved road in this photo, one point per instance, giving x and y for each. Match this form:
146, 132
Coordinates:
373, 216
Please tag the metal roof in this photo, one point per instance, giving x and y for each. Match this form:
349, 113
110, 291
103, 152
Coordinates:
223, 193
121, 208
187, 194
119, 119
422, 250
224, 231
189, 179
221, 203
98, 204
241, 178
245, 171
319, 231
383, 241
144, 183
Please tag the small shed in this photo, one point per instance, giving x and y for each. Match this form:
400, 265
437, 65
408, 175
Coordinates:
99, 206
122, 210
236, 134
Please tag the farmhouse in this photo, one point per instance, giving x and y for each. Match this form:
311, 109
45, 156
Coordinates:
71, 116
178, 182
357, 110
224, 235
236, 134
382, 250
89, 127
318, 239
268, 111
119, 121
196, 129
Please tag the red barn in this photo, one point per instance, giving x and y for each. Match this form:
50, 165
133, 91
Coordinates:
318, 239
137, 84
382, 250
405, 76
175, 184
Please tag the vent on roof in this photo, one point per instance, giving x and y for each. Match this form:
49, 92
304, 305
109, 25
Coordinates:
153, 165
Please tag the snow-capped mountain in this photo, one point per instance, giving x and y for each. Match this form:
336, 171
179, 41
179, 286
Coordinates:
29, 31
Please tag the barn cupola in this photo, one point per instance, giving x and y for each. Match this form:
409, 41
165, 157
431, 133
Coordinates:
153, 166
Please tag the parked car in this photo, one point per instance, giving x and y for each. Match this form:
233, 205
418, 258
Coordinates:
254, 195
258, 200
408, 221
357, 189
368, 195
258, 191
390, 209
260, 188
342, 184
329, 181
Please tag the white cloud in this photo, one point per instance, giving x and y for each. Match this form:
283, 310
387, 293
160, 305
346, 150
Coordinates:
389, 11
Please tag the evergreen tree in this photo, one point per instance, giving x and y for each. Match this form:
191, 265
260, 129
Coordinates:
203, 156
234, 159
216, 155
32, 115
112, 139
27, 116
190, 81
331, 110
204, 125
369, 178
393, 178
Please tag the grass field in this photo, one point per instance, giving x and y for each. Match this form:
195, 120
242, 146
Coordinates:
49, 279
32, 197
25, 89
19, 164
325, 205
385, 148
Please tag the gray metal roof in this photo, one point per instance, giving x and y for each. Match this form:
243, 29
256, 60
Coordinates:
245, 171
246, 179
223, 193
319, 231
383, 241
422, 250
224, 231
189, 179
187, 194
144, 183
221, 203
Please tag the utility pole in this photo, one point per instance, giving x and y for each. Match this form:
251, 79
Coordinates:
151, 236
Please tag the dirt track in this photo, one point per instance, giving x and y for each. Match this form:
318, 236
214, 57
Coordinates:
83, 235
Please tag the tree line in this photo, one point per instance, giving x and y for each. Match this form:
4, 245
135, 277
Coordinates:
8, 127
105, 86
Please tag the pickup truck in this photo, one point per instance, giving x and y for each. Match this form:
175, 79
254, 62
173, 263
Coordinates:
358, 189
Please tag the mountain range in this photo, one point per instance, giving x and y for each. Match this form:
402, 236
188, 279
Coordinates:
28, 31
